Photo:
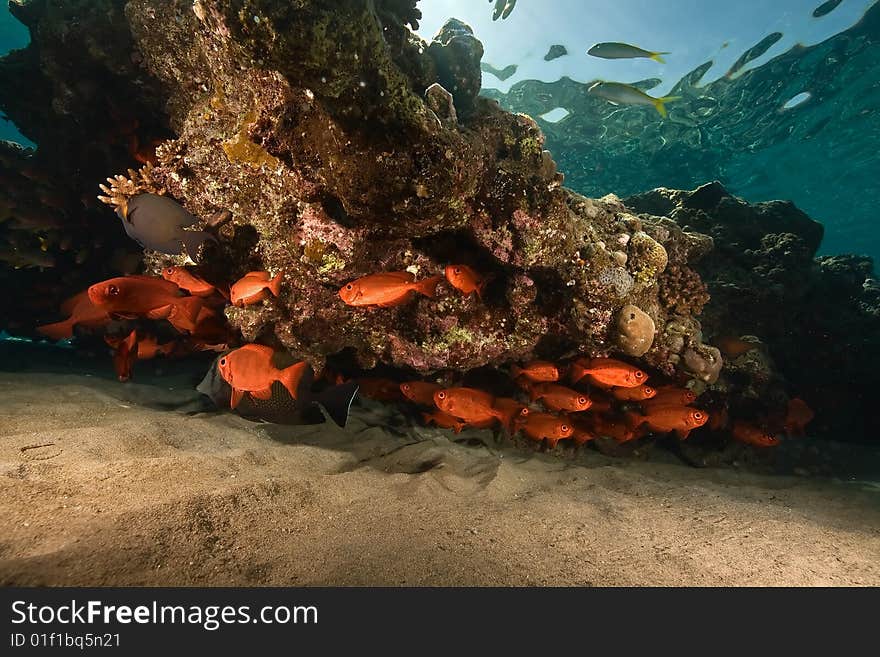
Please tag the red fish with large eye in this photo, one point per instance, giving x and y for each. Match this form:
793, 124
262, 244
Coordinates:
125, 353
619, 431
387, 289
82, 312
149, 347
752, 435
464, 279
254, 287
608, 372
797, 417
537, 371
186, 280
514, 413
560, 398
582, 431
420, 392
144, 296
673, 396
444, 420
250, 369
553, 428
639, 393
663, 419
383, 390
468, 404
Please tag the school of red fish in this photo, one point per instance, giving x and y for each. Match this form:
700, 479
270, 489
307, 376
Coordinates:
577, 401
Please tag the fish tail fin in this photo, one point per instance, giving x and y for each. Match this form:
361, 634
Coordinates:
660, 104
336, 401
58, 330
275, 284
292, 376
656, 56
428, 286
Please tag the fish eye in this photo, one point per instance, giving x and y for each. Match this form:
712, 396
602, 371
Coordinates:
524, 411
441, 395
582, 400
349, 286
457, 270
170, 270
649, 390
640, 374
564, 427
112, 290
698, 415
223, 361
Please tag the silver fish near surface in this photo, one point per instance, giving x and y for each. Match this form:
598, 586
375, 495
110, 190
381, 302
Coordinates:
502, 8
626, 94
157, 223
615, 50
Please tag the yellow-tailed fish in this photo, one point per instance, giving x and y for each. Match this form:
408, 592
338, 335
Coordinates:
625, 94
615, 50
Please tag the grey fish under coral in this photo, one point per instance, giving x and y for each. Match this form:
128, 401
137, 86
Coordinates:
157, 223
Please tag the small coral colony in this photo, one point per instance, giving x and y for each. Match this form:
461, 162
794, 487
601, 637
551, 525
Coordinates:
574, 401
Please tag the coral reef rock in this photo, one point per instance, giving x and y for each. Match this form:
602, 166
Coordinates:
816, 319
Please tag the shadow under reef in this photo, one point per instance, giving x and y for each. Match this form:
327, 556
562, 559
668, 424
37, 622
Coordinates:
390, 436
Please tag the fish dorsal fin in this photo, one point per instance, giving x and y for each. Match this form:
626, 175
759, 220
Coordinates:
70, 305
403, 276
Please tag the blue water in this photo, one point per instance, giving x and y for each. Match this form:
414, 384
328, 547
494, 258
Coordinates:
13, 35
741, 125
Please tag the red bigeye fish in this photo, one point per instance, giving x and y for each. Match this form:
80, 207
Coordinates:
383, 390
188, 281
82, 312
639, 393
149, 347
387, 289
619, 431
125, 353
733, 346
582, 432
540, 426
672, 396
464, 279
752, 435
513, 412
250, 369
468, 404
663, 419
538, 371
608, 372
420, 392
560, 398
797, 417
254, 287
443, 420
144, 296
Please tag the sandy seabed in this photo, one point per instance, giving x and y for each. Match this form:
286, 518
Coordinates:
110, 484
